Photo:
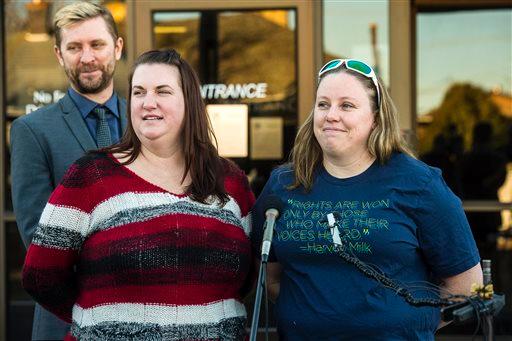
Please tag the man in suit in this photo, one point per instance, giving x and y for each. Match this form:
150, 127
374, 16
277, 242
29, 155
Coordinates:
90, 116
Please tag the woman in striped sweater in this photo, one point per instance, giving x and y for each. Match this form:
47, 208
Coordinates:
148, 239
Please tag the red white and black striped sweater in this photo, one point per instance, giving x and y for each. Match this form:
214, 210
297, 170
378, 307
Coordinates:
123, 259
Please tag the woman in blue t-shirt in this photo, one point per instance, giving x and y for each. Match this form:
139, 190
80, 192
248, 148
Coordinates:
393, 212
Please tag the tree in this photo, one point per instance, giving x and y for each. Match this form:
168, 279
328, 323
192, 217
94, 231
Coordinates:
463, 106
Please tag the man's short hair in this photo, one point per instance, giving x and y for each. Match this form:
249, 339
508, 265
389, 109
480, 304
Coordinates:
80, 11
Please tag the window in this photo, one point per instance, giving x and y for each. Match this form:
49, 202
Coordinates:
240, 83
34, 78
357, 30
464, 123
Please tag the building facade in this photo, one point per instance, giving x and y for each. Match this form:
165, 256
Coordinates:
447, 64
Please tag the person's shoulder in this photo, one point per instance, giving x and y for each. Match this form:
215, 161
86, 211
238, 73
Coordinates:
404, 165
41, 116
45, 120
88, 169
94, 157
231, 169
285, 170
235, 178
236, 185
282, 176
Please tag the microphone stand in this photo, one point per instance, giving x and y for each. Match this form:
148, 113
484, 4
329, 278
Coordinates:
271, 215
483, 308
262, 279
489, 319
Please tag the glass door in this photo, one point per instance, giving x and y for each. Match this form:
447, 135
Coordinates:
247, 58
253, 63
246, 61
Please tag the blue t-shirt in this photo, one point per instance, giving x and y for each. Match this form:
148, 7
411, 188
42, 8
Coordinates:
400, 216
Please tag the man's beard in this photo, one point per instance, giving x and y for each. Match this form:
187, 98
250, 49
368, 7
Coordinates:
88, 86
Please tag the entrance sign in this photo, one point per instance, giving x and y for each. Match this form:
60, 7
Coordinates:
234, 91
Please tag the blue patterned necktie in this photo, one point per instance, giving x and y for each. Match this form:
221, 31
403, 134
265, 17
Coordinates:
103, 138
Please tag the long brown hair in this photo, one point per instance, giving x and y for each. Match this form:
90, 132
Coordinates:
202, 161
384, 140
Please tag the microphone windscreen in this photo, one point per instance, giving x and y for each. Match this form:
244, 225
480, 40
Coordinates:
273, 201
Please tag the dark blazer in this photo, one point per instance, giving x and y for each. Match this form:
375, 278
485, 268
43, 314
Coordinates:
43, 145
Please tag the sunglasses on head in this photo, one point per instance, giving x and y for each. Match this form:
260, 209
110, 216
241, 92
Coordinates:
354, 65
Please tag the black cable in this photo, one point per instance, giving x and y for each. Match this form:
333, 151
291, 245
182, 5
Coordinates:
388, 282
381, 277
473, 304
374, 272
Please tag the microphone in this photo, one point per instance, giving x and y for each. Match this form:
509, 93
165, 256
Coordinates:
273, 206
